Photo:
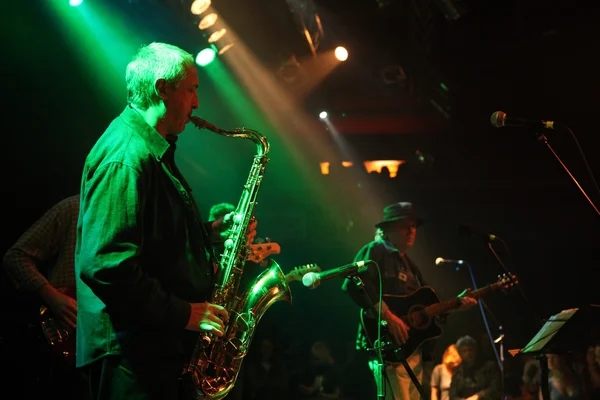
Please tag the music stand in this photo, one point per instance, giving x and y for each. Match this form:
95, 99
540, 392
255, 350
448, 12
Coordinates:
560, 335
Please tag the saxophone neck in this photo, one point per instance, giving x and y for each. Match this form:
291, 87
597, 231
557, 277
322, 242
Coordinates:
262, 143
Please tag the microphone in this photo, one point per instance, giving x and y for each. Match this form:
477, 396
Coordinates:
440, 261
466, 230
313, 279
499, 119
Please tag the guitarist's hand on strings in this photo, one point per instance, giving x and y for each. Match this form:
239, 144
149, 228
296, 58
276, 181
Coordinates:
396, 327
466, 301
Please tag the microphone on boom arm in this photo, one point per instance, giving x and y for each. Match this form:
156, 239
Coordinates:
313, 279
499, 119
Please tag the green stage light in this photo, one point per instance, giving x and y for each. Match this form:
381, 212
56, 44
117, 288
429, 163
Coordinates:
205, 57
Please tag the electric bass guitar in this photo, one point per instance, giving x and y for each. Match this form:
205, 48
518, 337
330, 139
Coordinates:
419, 311
60, 338
257, 252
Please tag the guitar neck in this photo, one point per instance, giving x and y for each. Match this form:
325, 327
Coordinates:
437, 309
298, 272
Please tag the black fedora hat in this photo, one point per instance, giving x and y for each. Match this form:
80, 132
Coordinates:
398, 211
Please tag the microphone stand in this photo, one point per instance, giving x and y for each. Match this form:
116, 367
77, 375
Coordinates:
499, 357
544, 139
379, 367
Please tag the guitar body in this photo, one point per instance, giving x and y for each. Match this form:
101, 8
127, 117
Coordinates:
61, 339
419, 311
411, 309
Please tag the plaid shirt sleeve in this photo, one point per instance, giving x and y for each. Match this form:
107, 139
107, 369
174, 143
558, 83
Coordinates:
27, 261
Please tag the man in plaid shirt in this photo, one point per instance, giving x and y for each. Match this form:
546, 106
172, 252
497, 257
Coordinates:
40, 265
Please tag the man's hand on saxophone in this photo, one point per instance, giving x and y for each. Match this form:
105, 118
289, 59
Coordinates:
222, 226
207, 317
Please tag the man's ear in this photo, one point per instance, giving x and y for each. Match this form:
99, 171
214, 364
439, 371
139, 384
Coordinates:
160, 86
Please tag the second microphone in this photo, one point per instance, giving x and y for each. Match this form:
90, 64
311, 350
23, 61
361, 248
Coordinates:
313, 279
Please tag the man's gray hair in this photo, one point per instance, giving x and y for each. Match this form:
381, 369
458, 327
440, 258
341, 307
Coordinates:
151, 63
466, 341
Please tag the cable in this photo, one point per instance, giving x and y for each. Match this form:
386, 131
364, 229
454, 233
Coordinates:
543, 138
509, 275
377, 365
587, 166
379, 307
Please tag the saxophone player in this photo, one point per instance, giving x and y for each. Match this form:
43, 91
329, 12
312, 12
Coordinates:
144, 259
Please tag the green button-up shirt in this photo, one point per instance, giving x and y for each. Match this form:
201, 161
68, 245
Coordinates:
142, 253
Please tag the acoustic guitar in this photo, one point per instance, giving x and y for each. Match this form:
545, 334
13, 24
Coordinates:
419, 311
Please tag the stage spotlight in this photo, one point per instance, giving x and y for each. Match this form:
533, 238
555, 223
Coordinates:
217, 35
225, 48
292, 72
199, 6
341, 53
205, 57
323, 114
393, 75
75, 3
208, 21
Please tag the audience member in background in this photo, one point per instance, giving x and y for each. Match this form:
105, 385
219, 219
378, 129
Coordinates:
266, 375
441, 377
40, 267
474, 379
589, 373
531, 379
563, 381
320, 378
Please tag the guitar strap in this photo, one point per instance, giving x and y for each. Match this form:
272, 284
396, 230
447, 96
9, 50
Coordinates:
414, 269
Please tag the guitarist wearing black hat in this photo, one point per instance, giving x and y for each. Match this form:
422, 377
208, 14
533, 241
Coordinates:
400, 277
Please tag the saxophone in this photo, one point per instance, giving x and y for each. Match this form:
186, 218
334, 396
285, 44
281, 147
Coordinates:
216, 361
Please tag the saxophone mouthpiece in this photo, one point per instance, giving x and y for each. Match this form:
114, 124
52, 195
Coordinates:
204, 124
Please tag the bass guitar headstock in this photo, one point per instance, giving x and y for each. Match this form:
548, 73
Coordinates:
258, 252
